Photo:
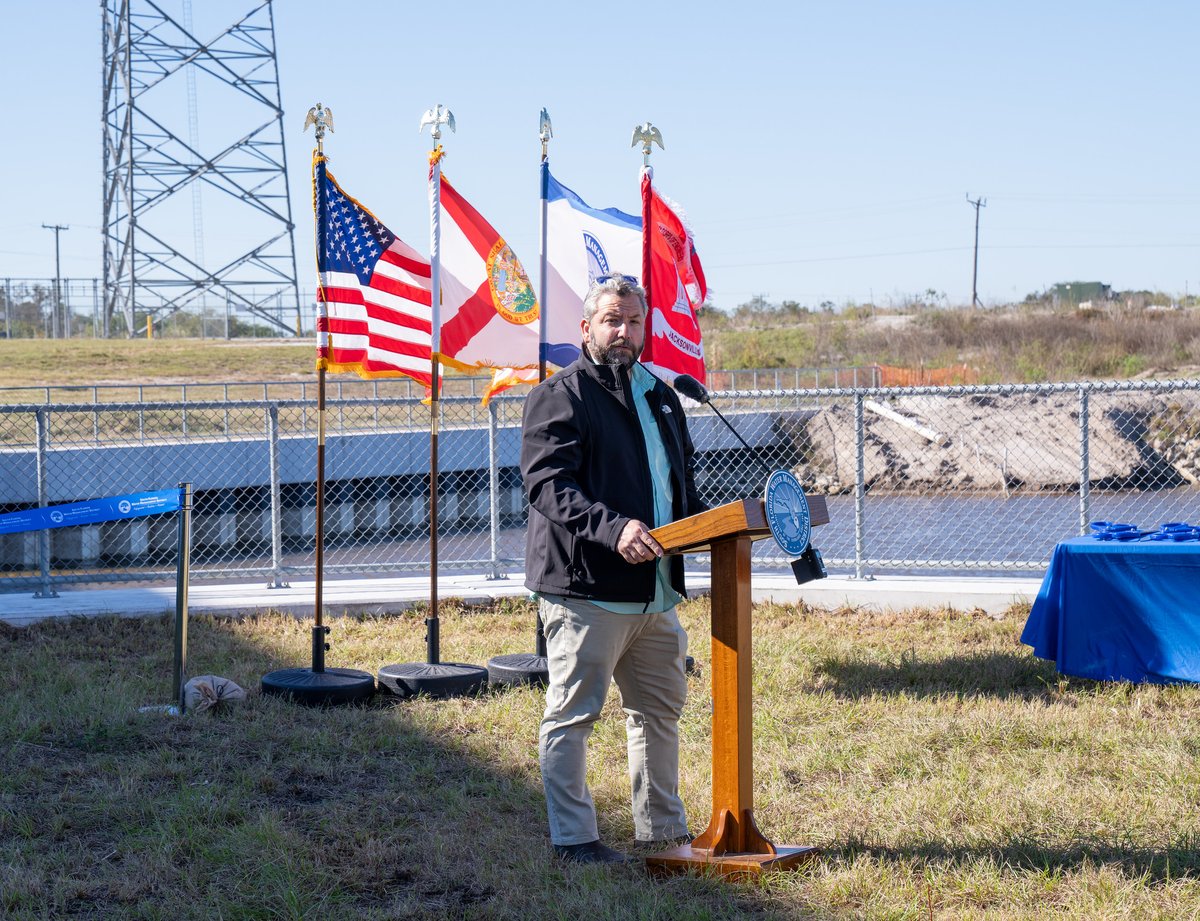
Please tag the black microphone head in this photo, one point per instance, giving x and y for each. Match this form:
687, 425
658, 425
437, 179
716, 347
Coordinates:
691, 388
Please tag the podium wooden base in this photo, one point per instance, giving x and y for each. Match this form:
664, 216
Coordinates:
731, 845
685, 859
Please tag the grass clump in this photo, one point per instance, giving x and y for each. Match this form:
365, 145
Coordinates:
943, 769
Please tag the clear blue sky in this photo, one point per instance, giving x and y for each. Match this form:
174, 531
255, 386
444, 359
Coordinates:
823, 151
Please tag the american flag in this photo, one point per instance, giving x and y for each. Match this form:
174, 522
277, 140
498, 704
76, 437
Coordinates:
374, 291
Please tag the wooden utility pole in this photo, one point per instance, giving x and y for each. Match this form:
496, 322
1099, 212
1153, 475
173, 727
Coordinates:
976, 204
58, 315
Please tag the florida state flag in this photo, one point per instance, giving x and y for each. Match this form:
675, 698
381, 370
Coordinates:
488, 315
675, 288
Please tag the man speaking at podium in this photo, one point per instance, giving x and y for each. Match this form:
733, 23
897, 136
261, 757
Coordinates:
605, 457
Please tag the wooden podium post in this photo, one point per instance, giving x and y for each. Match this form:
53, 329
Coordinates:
732, 845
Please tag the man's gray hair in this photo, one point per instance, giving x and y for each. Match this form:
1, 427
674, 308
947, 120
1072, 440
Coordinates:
613, 283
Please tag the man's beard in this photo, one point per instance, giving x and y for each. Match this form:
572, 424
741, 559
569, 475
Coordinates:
609, 355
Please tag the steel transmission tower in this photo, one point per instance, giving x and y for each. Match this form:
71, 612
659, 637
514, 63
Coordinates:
154, 258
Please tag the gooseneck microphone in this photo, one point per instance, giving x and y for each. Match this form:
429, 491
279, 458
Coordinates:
808, 565
694, 390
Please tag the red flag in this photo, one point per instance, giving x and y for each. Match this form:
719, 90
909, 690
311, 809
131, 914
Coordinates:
675, 288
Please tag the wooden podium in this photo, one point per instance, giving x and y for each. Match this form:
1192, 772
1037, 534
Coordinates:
732, 845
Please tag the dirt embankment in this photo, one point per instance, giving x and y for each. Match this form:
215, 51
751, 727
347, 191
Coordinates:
1003, 443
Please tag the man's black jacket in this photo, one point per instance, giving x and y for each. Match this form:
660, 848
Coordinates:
583, 460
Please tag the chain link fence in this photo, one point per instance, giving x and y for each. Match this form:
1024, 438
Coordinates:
72, 308
966, 480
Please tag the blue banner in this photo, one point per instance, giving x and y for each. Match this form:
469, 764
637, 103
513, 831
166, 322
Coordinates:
93, 511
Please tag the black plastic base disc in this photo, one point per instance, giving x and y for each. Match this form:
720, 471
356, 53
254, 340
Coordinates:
689, 665
332, 686
446, 679
519, 668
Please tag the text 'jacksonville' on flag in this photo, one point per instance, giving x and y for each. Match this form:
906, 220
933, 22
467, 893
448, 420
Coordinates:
373, 290
675, 285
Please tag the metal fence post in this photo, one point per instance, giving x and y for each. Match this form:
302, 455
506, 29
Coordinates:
95, 415
1085, 477
276, 502
493, 495
183, 568
860, 487
43, 444
8, 306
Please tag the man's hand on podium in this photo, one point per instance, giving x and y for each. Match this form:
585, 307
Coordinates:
636, 544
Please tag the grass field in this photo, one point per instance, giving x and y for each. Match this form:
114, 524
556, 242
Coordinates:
945, 772
62, 362
1016, 344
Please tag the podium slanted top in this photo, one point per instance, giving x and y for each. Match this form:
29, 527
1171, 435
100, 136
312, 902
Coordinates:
741, 518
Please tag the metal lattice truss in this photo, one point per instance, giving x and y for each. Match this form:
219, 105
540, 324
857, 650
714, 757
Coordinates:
153, 260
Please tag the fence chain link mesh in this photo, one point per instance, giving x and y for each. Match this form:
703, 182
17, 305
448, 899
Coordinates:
966, 480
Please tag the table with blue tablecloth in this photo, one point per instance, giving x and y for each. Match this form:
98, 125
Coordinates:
1120, 610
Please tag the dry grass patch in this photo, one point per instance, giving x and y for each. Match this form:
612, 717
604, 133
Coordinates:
944, 770
25, 362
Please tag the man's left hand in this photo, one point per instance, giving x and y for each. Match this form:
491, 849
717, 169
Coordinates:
636, 544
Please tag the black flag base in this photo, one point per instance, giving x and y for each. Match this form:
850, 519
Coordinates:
518, 669
320, 686
522, 668
442, 680
325, 688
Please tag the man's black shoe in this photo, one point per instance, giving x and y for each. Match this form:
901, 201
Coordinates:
591, 852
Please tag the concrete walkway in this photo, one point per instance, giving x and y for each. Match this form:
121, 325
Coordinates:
381, 596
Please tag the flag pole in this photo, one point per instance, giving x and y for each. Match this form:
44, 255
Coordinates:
545, 132
436, 117
521, 668
646, 135
433, 677
317, 685
319, 629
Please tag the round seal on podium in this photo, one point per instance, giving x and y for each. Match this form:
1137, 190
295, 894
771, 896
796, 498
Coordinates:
787, 512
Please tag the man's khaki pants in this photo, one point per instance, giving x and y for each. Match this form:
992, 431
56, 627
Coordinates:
587, 648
